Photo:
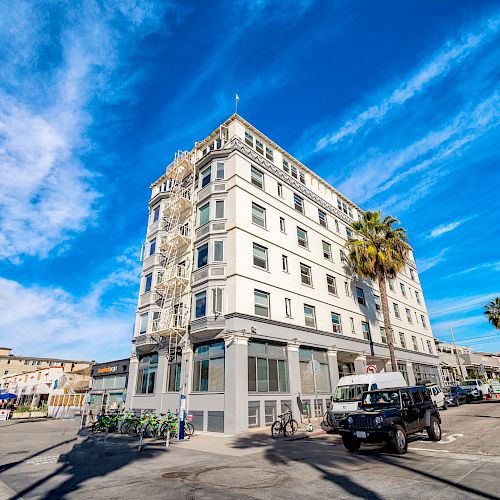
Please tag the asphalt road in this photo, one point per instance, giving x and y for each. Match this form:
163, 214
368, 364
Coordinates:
47, 459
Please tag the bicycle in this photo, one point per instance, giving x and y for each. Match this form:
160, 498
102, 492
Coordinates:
105, 422
285, 426
171, 423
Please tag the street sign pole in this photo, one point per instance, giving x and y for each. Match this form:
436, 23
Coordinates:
182, 411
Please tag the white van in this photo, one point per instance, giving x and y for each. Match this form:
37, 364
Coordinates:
348, 392
481, 388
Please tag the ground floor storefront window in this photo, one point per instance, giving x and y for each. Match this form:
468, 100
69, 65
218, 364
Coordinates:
208, 369
267, 367
314, 371
426, 373
146, 378
403, 369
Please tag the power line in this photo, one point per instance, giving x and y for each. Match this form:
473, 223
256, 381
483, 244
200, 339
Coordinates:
459, 308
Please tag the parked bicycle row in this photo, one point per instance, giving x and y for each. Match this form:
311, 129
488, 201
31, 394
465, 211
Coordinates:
146, 424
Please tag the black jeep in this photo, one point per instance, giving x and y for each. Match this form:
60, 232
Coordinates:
390, 415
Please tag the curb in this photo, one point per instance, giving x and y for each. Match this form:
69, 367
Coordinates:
307, 435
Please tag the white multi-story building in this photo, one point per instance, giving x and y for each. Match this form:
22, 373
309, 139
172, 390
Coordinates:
245, 299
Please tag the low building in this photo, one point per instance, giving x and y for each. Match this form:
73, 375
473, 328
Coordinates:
109, 386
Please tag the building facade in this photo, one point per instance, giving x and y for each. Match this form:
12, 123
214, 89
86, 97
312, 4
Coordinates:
109, 386
246, 301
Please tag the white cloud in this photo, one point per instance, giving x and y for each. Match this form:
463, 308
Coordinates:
445, 228
460, 304
429, 262
450, 56
491, 266
46, 321
46, 192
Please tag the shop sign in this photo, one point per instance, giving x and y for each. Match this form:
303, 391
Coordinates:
107, 369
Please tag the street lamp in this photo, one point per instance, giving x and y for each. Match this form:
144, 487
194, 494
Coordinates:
459, 359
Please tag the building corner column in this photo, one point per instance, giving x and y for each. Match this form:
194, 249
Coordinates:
411, 373
360, 364
294, 377
236, 385
132, 381
333, 366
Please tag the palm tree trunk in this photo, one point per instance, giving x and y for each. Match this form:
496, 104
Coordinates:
387, 322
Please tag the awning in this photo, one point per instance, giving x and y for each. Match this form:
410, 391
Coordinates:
8, 395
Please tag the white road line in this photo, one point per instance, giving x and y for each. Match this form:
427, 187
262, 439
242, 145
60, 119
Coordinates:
7, 493
458, 480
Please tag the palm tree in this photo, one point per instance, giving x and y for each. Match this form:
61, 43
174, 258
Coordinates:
378, 252
493, 312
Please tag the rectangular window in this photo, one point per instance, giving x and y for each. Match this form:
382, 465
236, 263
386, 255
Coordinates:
218, 251
219, 209
424, 324
152, 247
310, 316
412, 274
280, 189
417, 296
269, 153
143, 324
336, 323
249, 139
378, 306
327, 250
148, 280
282, 225
294, 172
206, 176
383, 335
267, 367
288, 308
156, 213
302, 237
284, 263
365, 327
337, 227
402, 340
391, 284
146, 375
202, 256
314, 371
217, 300
429, 346
259, 146
322, 218
261, 300
396, 310
258, 215
348, 232
305, 275
331, 284
286, 166
414, 341
339, 204
260, 256
403, 290
343, 257
257, 178
219, 175
349, 211
408, 315
200, 304
174, 374
302, 177
360, 296
208, 367
347, 289
298, 203
204, 214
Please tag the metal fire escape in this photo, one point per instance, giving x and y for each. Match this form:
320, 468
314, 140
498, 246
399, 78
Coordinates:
173, 285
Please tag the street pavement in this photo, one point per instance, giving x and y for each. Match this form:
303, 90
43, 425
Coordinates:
51, 460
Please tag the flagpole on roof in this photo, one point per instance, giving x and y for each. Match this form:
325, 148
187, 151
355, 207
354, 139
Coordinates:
236, 99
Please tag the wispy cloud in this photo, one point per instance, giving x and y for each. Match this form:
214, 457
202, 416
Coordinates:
449, 56
486, 266
47, 193
445, 228
429, 262
459, 304
45, 321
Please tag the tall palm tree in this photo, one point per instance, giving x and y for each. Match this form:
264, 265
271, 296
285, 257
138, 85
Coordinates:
379, 251
493, 312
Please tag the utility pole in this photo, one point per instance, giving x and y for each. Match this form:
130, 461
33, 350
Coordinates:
459, 359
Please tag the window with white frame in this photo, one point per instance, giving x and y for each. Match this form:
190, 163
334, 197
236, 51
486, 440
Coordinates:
208, 367
217, 300
305, 275
261, 301
403, 289
360, 296
417, 296
343, 257
378, 306
336, 322
260, 256
286, 166
402, 340
331, 284
348, 232
415, 343
206, 176
249, 138
258, 215
280, 190
284, 263
257, 178
267, 367
396, 310
148, 281
302, 177
200, 304
302, 237
143, 324
298, 203
412, 274
365, 328
218, 251
327, 250
322, 218
204, 214
288, 307
337, 227
282, 225
429, 346
391, 284
408, 315
424, 324
202, 256
219, 209
269, 153
347, 289
383, 335
219, 172
294, 172
156, 213
259, 146
310, 316
152, 247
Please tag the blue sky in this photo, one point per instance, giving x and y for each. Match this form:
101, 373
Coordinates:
396, 103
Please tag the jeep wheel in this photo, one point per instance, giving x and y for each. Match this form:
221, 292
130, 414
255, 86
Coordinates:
434, 430
399, 440
351, 443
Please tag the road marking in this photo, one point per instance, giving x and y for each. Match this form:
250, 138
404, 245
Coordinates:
7, 493
458, 480
42, 460
449, 439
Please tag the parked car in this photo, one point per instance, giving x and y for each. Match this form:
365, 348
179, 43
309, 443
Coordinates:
390, 415
437, 396
347, 394
458, 395
480, 387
